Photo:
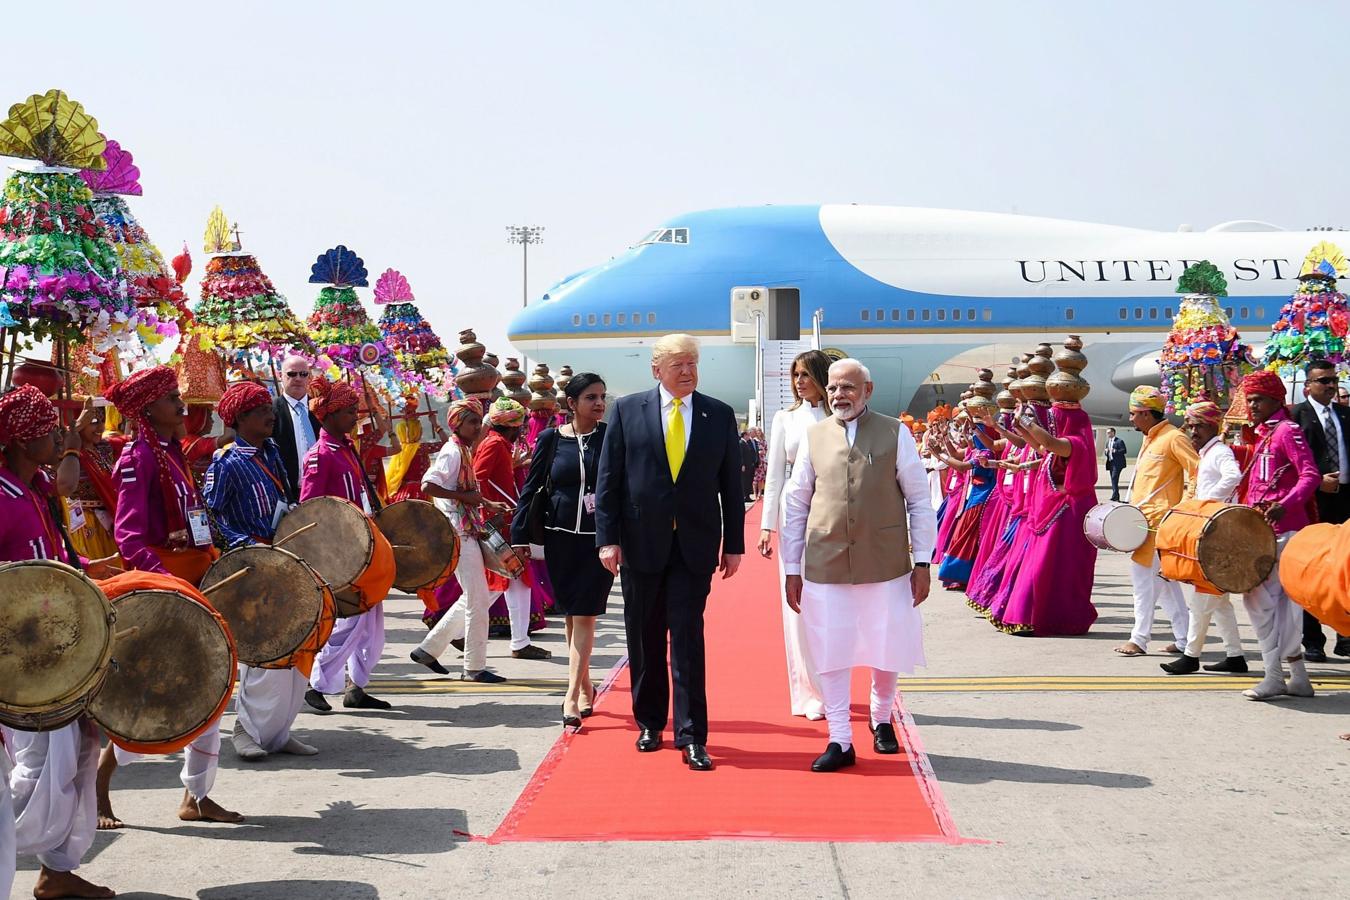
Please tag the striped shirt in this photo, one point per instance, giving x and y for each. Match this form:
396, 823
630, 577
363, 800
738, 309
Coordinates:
243, 486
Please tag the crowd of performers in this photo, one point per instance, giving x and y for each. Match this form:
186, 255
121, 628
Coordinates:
152, 497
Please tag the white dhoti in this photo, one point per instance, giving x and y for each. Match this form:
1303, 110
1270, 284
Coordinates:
201, 761
1219, 607
52, 787
804, 692
467, 620
267, 702
1278, 623
352, 650
7, 851
1151, 590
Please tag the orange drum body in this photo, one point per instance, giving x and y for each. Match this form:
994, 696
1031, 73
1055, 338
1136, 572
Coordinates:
1315, 573
280, 611
1218, 547
345, 548
173, 664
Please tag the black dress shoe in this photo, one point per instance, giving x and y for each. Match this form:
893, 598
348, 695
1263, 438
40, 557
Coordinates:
1186, 665
1229, 664
1342, 647
834, 759
648, 740
424, 658
884, 739
697, 758
317, 701
1314, 655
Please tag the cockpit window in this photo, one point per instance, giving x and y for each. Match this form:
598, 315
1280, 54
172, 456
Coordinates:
666, 236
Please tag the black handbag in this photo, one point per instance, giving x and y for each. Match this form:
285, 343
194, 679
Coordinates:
536, 518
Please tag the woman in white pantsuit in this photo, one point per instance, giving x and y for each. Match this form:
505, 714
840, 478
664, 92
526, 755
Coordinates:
810, 371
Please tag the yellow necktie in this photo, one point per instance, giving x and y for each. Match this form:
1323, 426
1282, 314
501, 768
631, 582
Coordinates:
675, 439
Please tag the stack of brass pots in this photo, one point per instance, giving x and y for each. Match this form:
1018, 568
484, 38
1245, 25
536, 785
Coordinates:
513, 380
1005, 398
476, 378
1040, 366
1066, 385
542, 398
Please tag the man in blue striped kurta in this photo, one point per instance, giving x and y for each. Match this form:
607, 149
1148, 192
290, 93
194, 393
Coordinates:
246, 489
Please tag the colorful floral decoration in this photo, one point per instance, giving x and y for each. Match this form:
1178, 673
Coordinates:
418, 349
342, 331
59, 271
1313, 323
240, 312
1203, 357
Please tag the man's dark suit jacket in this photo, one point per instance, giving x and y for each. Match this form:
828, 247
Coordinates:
637, 504
1117, 462
284, 434
1333, 508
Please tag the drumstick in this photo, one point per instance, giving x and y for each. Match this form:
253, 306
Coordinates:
227, 579
296, 533
403, 546
127, 632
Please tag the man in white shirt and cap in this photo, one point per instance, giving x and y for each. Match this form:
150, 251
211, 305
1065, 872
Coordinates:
857, 514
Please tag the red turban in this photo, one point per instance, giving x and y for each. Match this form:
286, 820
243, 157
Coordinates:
240, 398
132, 396
25, 415
327, 397
1265, 383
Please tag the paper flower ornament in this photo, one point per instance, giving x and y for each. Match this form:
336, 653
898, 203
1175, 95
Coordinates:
339, 267
392, 287
1324, 261
119, 175
1203, 277
218, 238
54, 129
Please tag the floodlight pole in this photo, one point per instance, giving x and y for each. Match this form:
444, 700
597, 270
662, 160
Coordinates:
525, 235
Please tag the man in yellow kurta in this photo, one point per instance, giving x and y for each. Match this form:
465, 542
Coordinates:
1167, 461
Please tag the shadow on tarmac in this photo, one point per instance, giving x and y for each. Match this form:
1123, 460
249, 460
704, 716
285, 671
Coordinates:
1011, 724
292, 890
970, 770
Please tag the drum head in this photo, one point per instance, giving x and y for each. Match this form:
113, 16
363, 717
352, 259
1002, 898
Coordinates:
55, 635
1237, 549
426, 546
272, 609
170, 674
1125, 528
339, 549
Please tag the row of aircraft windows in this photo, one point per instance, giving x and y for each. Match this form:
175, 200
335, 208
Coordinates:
986, 314
926, 315
616, 319
1242, 312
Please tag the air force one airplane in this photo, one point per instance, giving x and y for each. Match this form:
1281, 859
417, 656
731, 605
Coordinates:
922, 296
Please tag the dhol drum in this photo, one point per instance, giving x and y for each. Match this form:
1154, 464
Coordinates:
1115, 526
426, 548
1315, 573
56, 643
498, 555
173, 664
1217, 547
279, 610
345, 548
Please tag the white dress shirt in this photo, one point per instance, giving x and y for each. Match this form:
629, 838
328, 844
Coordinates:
686, 411
785, 436
909, 474
1323, 412
1218, 474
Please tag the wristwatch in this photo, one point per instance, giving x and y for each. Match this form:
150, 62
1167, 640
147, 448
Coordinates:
922, 565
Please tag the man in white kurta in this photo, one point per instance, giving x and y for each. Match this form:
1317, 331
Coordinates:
857, 512
7, 853
1216, 478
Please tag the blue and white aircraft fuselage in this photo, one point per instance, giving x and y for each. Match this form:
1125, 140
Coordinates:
922, 296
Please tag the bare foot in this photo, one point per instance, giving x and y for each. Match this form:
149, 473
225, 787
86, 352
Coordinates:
107, 764
107, 821
1346, 736
51, 884
206, 810
1130, 648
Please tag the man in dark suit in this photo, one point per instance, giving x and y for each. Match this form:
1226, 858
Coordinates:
1115, 461
1327, 427
296, 428
668, 510
749, 463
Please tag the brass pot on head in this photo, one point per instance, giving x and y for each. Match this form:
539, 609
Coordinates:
1041, 367
1066, 385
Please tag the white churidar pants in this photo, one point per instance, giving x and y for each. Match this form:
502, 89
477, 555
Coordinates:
467, 619
517, 598
835, 688
804, 691
267, 702
353, 649
1277, 621
1202, 608
7, 851
201, 761
52, 788
1151, 589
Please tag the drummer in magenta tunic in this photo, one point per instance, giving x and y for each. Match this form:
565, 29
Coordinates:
162, 526
47, 802
1282, 482
333, 469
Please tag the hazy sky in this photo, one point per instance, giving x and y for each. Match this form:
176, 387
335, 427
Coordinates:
415, 132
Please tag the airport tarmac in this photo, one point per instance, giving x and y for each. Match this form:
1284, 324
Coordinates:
1078, 773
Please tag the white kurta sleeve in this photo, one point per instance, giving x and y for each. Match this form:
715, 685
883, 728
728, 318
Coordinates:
774, 472
1230, 473
801, 487
913, 481
444, 469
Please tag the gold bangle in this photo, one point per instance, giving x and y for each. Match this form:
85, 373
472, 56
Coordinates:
69, 453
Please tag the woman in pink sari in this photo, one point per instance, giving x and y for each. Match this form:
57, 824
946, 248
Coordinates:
957, 478
999, 507
994, 588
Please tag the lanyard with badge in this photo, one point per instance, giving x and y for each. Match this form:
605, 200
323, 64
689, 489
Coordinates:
199, 526
282, 507
350, 455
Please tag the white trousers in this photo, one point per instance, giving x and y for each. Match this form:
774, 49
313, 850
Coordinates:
52, 788
1150, 590
467, 619
1278, 623
834, 688
517, 598
803, 685
352, 650
7, 851
1202, 608
201, 761
267, 702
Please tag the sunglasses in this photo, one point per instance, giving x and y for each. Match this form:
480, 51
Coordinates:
297, 374
1325, 379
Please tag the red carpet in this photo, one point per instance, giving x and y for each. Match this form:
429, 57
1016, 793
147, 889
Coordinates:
593, 784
